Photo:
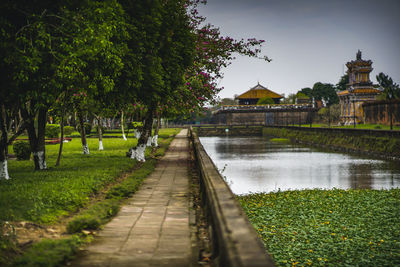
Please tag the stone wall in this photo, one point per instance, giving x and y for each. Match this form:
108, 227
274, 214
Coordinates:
377, 143
378, 112
229, 131
235, 242
267, 117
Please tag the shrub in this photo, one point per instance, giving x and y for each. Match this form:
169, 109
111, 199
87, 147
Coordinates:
52, 130
265, 101
83, 222
68, 130
88, 127
22, 150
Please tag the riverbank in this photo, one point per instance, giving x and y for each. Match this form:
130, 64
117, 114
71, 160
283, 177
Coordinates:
387, 147
328, 227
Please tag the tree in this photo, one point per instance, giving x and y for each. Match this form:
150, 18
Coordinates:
301, 95
265, 101
228, 101
93, 57
306, 91
32, 35
325, 92
391, 90
290, 99
341, 85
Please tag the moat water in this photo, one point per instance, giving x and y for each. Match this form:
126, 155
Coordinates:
255, 164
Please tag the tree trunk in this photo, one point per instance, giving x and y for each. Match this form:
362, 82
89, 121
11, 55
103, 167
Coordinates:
129, 123
83, 134
138, 153
100, 133
154, 141
61, 138
137, 134
122, 125
3, 146
37, 140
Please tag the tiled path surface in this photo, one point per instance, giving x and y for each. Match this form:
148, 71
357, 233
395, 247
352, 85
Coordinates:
152, 229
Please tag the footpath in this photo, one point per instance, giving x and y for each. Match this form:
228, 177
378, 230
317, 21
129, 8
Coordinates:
153, 228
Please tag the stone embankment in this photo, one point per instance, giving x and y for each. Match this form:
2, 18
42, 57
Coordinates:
234, 240
157, 227
229, 130
384, 144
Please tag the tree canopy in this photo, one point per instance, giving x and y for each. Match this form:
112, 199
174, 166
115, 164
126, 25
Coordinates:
391, 90
265, 101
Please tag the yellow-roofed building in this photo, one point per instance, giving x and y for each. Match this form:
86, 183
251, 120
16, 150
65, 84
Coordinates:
358, 91
252, 96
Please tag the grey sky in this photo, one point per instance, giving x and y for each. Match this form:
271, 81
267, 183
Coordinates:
308, 40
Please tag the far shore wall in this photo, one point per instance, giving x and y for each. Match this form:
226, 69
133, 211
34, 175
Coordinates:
378, 112
273, 117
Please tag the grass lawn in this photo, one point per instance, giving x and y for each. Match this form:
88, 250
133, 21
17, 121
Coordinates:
328, 227
44, 196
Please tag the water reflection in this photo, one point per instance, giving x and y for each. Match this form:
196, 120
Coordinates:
254, 164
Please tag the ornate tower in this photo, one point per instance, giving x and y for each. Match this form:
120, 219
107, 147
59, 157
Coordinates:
358, 71
358, 90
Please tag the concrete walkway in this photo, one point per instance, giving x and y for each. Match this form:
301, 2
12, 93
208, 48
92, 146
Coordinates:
153, 228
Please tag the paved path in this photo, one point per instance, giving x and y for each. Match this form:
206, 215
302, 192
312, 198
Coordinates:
152, 229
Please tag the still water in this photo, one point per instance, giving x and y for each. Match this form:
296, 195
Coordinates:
255, 164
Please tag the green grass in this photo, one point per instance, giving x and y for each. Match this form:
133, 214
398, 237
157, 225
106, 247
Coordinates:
282, 140
44, 196
328, 227
358, 126
49, 253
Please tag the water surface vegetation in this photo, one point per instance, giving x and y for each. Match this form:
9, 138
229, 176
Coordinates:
328, 227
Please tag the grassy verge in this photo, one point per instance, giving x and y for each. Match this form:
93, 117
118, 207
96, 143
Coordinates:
328, 227
50, 252
45, 196
386, 146
358, 126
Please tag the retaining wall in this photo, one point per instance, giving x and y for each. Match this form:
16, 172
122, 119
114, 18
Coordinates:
380, 112
377, 143
346, 131
235, 242
229, 130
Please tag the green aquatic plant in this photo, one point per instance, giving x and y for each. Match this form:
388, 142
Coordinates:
328, 227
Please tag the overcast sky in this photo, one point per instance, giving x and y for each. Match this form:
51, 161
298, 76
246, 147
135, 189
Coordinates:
308, 40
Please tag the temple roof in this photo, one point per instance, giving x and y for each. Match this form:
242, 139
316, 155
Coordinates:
258, 92
359, 62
